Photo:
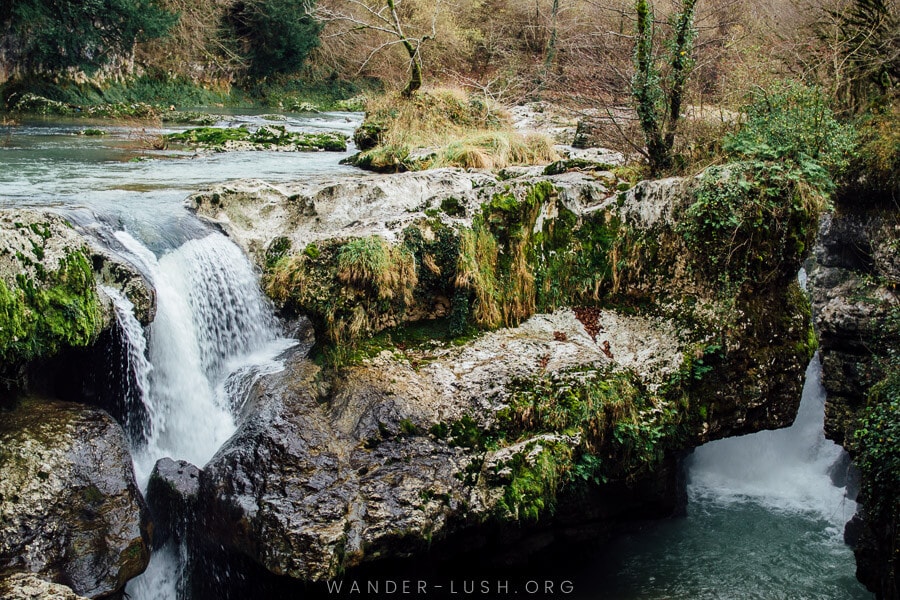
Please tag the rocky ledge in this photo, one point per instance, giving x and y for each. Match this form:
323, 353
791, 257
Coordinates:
519, 356
854, 280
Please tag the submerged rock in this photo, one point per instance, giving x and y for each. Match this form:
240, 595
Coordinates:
71, 510
267, 137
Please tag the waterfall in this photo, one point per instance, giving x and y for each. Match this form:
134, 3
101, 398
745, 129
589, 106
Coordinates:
764, 520
213, 336
783, 470
137, 410
213, 326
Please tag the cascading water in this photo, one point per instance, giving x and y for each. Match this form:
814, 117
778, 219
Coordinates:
137, 410
213, 335
765, 520
212, 321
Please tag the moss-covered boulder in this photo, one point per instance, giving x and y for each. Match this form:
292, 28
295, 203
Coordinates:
70, 510
267, 137
491, 351
48, 294
50, 298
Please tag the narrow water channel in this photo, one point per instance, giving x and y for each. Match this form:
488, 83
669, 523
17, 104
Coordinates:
764, 521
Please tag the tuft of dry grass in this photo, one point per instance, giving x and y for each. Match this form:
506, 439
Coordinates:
447, 128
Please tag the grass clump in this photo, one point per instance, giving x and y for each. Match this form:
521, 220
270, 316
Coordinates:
372, 265
403, 134
349, 289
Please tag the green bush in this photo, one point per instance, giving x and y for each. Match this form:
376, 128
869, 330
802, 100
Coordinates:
274, 36
749, 219
879, 438
875, 169
791, 123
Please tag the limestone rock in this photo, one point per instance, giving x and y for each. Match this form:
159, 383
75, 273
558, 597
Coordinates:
854, 283
413, 445
48, 277
70, 509
852, 296
27, 586
253, 213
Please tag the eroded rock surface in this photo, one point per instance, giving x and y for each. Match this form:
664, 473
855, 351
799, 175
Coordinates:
381, 455
70, 510
854, 283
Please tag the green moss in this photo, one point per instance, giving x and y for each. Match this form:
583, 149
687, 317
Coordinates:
39, 318
575, 164
878, 436
267, 137
453, 207
349, 289
92, 495
277, 250
749, 220
623, 429
536, 474
311, 251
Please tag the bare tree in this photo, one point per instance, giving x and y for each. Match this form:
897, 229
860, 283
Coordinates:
384, 17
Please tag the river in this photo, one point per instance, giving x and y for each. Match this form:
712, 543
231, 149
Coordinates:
764, 519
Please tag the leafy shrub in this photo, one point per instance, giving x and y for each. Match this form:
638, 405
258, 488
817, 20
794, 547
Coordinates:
749, 219
792, 123
875, 169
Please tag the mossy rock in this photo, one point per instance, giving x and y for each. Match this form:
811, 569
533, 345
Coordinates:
48, 296
267, 137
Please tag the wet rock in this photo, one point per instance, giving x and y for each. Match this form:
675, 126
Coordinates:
172, 497
116, 273
71, 510
27, 586
854, 282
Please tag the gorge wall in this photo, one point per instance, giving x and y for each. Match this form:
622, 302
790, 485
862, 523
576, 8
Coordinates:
854, 282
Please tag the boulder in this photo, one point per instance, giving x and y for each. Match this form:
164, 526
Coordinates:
49, 275
172, 497
580, 341
70, 510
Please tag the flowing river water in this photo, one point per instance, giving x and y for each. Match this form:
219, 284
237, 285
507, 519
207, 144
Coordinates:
764, 518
